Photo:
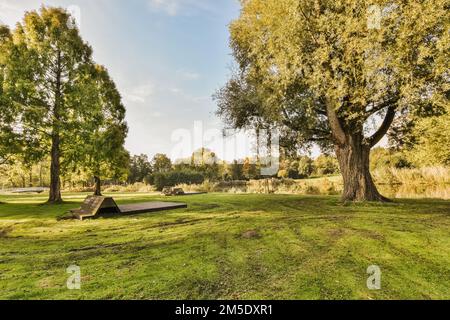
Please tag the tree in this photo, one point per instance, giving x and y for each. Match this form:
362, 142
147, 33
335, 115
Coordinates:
140, 168
421, 139
400, 136
236, 170
305, 167
321, 71
432, 141
205, 161
161, 163
97, 144
295, 167
9, 140
383, 159
249, 169
45, 75
326, 165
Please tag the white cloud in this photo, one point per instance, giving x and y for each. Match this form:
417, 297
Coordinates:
177, 92
10, 12
177, 7
156, 114
189, 75
10, 5
171, 7
140, 94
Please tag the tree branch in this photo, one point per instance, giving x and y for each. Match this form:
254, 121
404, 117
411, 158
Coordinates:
377, 136
377, 108
4, 160
336, 128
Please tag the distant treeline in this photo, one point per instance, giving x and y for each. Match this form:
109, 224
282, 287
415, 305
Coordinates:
160, 171
202, 166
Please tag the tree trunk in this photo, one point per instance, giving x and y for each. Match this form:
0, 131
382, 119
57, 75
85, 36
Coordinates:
40, 176
97, 186
31, 177
355, 169
55, 169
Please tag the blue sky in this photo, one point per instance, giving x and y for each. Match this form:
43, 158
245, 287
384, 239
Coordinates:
167, 58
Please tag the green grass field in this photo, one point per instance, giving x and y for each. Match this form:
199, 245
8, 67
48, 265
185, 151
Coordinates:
227, 247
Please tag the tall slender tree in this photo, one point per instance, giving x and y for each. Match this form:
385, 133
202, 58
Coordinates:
9, 142
322, 70
45, 76
97, 142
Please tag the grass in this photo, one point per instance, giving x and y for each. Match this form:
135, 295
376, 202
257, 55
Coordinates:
413, 176
228, 247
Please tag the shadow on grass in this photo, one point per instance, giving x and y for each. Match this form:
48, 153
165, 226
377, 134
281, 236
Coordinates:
33, 210
34, 207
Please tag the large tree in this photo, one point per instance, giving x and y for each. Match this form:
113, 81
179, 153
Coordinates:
97, 141
324, 70
139, 168
427, 140
9, 142
161, 163
45, 75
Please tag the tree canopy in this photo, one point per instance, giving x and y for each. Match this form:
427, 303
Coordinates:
431, 146
10, 142
97, 144
161, 163
322, 70
139, 168
60, 102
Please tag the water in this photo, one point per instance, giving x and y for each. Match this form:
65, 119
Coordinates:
330, 187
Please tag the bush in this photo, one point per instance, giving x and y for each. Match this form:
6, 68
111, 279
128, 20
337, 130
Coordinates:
382, 159
135, 187
326, 165
149, 179
174, 178
415, 176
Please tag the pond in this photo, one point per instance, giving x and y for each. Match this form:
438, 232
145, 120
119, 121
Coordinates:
324, 186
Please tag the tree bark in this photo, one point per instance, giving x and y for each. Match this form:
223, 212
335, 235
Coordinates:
354, 163
55, 166
97, 186
55, 170
31, 177
353, 153
40, 175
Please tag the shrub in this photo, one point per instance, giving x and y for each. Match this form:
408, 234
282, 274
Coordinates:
426, 175
149, 179
173, 178
135, 187
382, 159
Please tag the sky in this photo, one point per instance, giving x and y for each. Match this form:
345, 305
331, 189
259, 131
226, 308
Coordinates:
167, 57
